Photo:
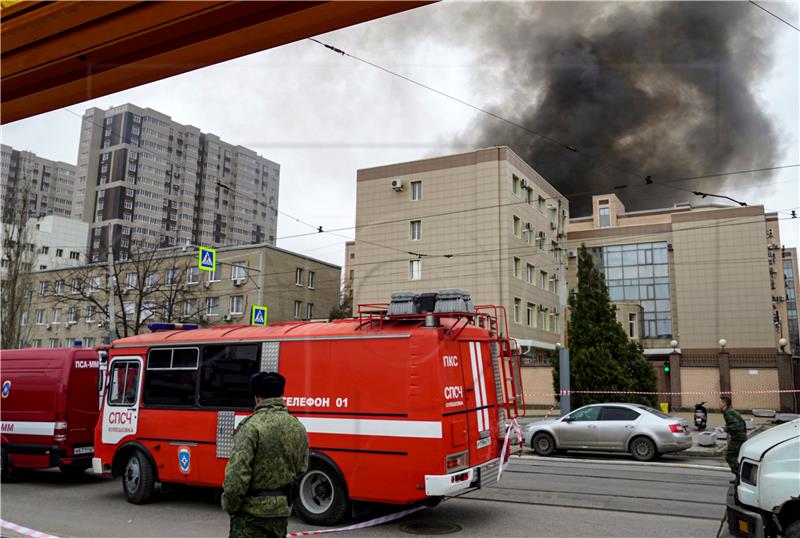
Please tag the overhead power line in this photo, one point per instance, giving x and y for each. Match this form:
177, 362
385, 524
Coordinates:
784, 21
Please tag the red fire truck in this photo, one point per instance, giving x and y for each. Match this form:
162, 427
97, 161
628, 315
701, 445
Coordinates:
49, 408
400, 407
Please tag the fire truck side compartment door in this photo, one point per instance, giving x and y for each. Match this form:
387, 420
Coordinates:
121, 406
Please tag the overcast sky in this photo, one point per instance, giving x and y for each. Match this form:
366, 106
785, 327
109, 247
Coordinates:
322, 116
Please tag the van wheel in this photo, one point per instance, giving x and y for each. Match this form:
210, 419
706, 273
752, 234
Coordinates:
5, 465
323, 497
138, 480
643, 449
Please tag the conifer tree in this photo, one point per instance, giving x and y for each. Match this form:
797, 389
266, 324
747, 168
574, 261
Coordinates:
601, 355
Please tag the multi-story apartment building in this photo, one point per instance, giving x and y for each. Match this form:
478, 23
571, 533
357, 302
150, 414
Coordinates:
349, 270
790, 273
692, 274
72, 303
153, 182
50, 184
484, 221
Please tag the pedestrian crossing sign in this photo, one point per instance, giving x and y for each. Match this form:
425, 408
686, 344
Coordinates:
207, 259
260, 316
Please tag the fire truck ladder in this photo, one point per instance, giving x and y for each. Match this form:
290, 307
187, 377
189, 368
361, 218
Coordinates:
505, 358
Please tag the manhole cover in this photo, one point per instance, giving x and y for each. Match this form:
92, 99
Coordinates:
429, 527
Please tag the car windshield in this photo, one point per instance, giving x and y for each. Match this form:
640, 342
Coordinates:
655, 412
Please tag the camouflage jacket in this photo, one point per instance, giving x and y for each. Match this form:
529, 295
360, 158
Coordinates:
270, 451
734, 425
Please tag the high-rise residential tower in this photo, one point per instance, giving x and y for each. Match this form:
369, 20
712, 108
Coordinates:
155, 183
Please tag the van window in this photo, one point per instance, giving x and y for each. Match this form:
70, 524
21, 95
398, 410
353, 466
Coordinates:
171, 377
124, 383
225, 375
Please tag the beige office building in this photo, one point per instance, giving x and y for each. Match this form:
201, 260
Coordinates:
72, 303
484, 221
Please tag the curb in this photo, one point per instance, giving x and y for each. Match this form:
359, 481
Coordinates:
628, 462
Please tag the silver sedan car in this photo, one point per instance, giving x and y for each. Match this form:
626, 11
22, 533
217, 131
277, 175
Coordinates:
611, 427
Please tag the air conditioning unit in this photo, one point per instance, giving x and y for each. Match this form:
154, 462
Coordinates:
669, 246
238, 281
203, 317
397, 185
207, 284
528, 227
542, 235
551, 205
563, 212
769, 232
553, 226
523, 183
556, 311
226, 317
778, 298
773, 246
47, 326
542, 308
772, 271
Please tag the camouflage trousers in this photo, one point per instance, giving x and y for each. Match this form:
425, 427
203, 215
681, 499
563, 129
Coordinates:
732, 455
247, 526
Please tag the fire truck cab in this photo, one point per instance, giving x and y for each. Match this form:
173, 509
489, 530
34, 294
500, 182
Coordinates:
407, 403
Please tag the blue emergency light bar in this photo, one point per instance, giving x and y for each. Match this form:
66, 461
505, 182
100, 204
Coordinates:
173, 326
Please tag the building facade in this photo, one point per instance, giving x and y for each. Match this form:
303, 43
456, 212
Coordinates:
73, 303
50, 184
58, 242
147, 181
789, 256
484, 221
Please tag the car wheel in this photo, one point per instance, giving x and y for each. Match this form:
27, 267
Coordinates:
543, 444
792, 530
643, 449
322, 499
138, 479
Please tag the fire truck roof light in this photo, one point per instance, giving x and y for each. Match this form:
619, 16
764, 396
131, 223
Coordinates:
172, 326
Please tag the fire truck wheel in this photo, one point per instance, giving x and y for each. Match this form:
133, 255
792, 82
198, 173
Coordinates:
322, 499
138, 480
543, 444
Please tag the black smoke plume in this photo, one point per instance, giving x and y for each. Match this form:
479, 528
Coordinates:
641, 89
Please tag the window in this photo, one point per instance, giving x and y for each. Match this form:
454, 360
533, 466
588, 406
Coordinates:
415, 269
72, 314
44, 250
131, 280
190, 307
298, 277
632, 325
236, 304
39, 316
530, 270
540, 204
151, 280
517, 268
192, 275
214, 276
309, 311
58, 288
88, 341
23, 319
44, 286
53, 342
123, 383
514, 184
584, 415
238, 270
527, 233
618, 413
543, 318
171, 377
297, 309
605, 217
90, 311
416, 230
517, 310
416, 190
312, 279
75, 285
517, 226
55, 316
36, 342
225, 375
531, 315
94, 283
212, 306
59, 252
543, 279
170, 276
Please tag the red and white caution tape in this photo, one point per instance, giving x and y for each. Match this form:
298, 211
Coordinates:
655, 393
363, 525
513, 425
24, 530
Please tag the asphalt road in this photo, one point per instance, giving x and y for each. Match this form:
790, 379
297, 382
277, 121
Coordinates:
536, 497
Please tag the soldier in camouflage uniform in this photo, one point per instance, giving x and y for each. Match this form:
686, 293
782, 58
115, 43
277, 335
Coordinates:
270, 453
736, 430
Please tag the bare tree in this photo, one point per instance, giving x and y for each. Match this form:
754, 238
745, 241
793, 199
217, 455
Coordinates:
16, 260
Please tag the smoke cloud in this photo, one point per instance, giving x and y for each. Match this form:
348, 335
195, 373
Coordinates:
639, 89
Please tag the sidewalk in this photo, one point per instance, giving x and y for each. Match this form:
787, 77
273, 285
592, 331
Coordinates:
714, 419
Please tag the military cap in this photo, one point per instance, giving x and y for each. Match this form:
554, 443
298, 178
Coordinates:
267, 384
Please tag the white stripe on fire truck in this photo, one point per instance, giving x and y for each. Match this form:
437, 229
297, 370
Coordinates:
28, 428
382, 428
483, 384
478, 400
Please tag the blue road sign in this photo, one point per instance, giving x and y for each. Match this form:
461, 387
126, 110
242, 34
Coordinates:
260, 316
207, 259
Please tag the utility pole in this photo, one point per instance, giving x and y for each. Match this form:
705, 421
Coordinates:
563, 377
112, 284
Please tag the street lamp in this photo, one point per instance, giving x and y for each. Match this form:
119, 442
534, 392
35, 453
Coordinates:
782, 344
674, 344
723, 343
